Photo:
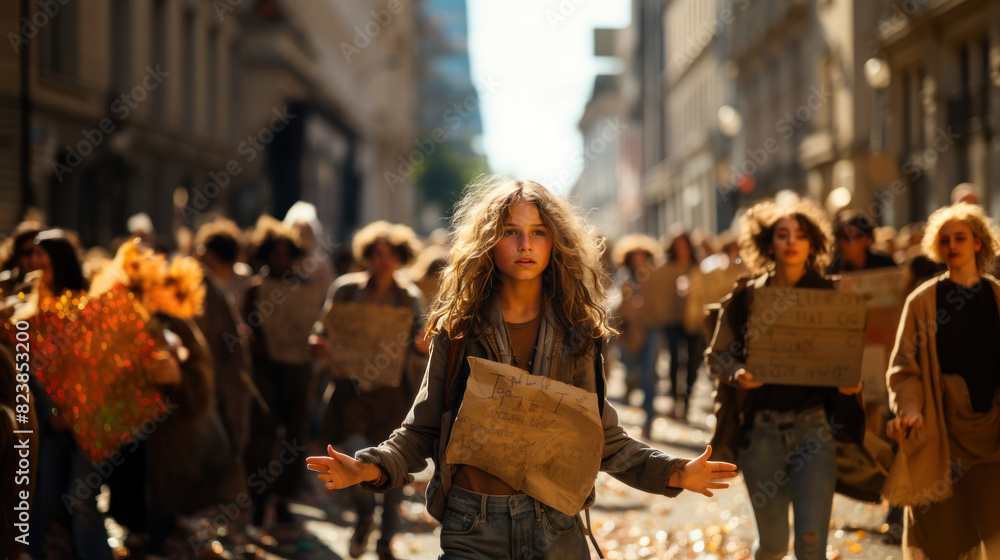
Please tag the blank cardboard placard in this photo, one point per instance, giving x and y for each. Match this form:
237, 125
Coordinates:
799, 336
368, 343
538, 435
658, 287
288, 311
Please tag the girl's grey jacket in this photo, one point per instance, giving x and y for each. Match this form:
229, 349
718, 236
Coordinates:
426, 429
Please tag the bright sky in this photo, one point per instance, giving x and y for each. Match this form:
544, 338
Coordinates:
538, 54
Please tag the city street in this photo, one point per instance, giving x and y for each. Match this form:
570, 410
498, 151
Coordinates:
627, 523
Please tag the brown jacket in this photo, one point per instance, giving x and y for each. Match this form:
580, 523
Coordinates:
925, 469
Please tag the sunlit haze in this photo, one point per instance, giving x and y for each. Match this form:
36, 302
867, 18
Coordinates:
538, 58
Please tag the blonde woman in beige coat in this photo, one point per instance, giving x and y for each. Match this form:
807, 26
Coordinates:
944, 386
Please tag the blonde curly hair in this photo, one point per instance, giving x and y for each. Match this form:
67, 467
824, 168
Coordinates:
267, 233
983, 228
400, 238
757, 235
574, 282
634, 243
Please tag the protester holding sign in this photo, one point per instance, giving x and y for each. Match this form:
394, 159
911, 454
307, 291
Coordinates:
279, 309
524, 288
783, 435
634, 256
944, 387
363, 412
683, 262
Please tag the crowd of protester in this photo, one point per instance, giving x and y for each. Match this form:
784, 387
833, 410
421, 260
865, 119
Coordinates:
249, 375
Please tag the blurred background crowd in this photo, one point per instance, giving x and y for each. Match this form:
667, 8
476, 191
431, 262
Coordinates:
182, 127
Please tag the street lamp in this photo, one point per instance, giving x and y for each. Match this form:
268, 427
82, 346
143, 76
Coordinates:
730, 122
878, 76
877, 73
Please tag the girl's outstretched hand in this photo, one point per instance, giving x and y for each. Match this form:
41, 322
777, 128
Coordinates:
702, 475
340, 471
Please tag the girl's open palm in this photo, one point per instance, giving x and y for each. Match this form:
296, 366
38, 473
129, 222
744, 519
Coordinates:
341, 471
702, 476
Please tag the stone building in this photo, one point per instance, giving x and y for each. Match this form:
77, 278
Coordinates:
184, 108
942, 105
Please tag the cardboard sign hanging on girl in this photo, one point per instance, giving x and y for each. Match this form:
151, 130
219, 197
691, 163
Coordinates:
539, 435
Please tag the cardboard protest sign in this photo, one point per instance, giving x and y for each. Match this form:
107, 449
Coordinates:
658, 287
538, 435
287, 312
368, 343
799, 336
885, 290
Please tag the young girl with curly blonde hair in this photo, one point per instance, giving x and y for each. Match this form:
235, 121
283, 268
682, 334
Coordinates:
523, 287
944, 387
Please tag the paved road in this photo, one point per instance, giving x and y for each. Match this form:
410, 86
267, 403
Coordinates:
627, 523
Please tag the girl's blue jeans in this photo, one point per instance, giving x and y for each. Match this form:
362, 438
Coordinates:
791, 458
484, 527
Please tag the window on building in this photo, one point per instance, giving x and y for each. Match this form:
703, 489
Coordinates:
985, 79
214, 51
234, 88
121, 46
825, 69
188, 107
61, 42
159, 22
906, 112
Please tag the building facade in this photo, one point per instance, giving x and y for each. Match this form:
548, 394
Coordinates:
942, 107
188, 108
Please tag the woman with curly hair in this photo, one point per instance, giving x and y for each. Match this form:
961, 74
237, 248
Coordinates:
524, 287
279, 309
944, 387
356, 418
785, 246
682, 263
633, 257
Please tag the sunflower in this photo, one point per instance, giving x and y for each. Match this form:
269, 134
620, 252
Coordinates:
173, 288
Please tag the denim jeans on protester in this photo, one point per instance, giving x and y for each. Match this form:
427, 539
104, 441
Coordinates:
645, 361
518, 527
790, 458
